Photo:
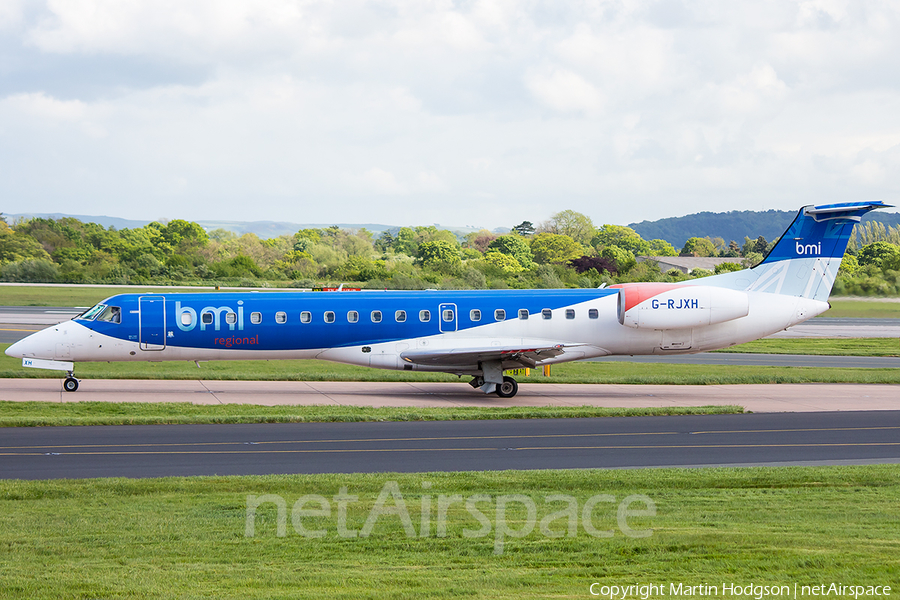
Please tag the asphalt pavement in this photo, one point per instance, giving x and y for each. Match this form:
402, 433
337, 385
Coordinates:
414, 447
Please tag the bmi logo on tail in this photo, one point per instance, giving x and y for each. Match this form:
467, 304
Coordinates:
809, 249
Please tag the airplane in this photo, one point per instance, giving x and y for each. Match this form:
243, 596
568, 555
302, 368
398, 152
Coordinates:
477, 333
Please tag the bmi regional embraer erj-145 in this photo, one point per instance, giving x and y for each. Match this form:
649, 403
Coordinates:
475, 333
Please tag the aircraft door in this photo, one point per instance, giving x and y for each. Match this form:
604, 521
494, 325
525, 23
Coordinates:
152, 326
448, 317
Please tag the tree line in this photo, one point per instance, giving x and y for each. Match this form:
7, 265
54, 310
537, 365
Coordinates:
568, 250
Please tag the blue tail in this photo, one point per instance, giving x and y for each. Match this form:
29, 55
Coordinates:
805, 259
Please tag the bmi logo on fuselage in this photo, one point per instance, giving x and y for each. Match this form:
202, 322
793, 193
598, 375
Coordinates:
186, 317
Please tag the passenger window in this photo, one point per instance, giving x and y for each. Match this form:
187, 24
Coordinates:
475, 314
256, 318
424, 315
593, 314
231, 318
500, 314
329, 316
281, 317
376, 316
523, 313
206, 318
186, 318
400, 316
547, 313
570, 313
352, 316
448, 315
305, 317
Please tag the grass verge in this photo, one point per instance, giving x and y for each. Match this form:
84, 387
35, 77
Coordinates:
187, 537
33, 414
73, 295
863, 309
822, 346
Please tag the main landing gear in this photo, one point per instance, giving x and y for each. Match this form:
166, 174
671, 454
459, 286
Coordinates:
507, 389
70, 384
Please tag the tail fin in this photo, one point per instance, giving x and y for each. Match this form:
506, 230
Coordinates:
805, 259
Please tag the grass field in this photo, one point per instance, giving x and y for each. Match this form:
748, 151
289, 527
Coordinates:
822, 346
860, 309
33, 414
72, 295
188, 537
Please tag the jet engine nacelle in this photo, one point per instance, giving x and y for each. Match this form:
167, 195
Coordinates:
668, 306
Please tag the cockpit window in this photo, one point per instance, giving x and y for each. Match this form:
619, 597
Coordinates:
89, 314
112, 314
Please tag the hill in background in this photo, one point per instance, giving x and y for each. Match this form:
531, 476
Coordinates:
263, 229
733, 225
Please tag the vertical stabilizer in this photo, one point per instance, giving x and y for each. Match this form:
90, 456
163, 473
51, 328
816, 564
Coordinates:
805, 259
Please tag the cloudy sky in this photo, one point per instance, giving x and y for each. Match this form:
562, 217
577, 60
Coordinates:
480, 113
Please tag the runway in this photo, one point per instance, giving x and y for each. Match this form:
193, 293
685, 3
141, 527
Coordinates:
415, 447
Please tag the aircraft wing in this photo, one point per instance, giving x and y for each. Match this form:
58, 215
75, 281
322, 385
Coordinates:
509, 356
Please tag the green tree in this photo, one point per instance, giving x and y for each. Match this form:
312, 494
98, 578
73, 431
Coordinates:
184, 236
505, 263
15, 246
759, 245
405, 241
727, 267
849, 265
623, 237
479, 240
38, 270
623, 258
697, 246
662, 248
515, 246
877, 254
439, 255
555, 248
525, 228
577, 226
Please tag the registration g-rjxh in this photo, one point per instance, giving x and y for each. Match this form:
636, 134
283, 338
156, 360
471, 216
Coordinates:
478, 334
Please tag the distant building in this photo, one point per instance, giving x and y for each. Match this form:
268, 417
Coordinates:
686, 264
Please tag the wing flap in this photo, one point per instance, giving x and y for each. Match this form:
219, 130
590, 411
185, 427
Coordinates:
524, 356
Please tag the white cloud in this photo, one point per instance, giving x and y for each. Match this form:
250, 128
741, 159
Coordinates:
46, 107
383, 182
508, 111
565, 91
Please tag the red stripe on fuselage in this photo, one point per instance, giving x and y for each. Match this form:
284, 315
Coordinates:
635, 293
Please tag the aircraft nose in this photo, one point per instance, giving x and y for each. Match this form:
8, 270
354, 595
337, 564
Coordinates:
37, 345
15, 350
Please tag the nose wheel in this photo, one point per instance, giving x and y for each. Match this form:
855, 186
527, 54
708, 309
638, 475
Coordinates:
70, 384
